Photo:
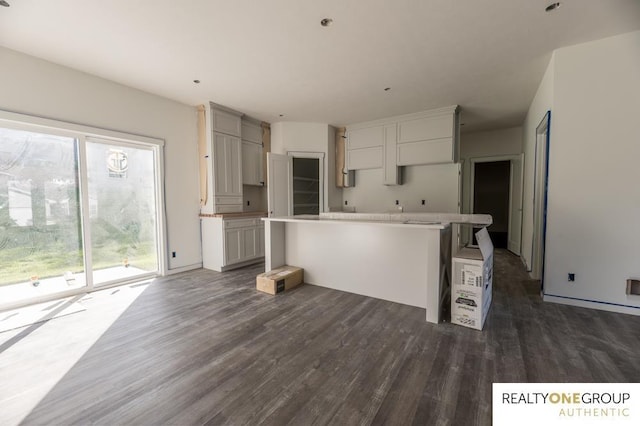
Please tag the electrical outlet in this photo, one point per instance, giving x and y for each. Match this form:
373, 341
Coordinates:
571, 277
397, 203
424, 202
173, 254
248, 202
346, 202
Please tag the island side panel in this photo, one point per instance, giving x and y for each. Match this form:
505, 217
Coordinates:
379, 261
274, 244
434, 286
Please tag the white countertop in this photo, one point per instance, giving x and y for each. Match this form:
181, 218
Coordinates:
418, 220
475, 219
355, 221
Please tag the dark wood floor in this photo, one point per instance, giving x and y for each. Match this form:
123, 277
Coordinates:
206, 348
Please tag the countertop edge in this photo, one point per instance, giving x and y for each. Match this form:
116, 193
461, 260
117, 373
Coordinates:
296, 219
236, 215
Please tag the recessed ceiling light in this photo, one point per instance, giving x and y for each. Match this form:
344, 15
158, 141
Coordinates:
326, 22
196, 81
552, 6
386, 89
4, 3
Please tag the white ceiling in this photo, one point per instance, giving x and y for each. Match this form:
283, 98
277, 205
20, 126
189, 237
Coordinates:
267, 58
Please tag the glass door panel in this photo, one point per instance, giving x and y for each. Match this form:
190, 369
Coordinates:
41, 245
122, 211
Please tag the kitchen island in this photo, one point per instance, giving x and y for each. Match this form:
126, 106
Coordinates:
401, 259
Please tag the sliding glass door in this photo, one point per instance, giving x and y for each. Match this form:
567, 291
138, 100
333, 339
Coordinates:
76, 213
41, 244
122, 210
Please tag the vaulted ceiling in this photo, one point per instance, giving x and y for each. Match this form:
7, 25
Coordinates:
267, 58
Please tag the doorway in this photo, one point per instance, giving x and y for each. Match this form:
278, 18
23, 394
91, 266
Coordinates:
306, 186
496, 189
296, 183
491, 196
541, 170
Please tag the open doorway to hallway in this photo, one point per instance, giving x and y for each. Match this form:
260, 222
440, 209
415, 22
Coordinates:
491, 196
496, 189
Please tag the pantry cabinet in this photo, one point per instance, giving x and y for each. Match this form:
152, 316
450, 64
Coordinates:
223, 160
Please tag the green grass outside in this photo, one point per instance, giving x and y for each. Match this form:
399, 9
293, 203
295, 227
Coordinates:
19, 264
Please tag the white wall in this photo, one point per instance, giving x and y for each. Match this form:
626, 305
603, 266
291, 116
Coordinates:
542, 102
490, 143
594, 191
436, 184
310, 137
36, 87
256, 196
593, 92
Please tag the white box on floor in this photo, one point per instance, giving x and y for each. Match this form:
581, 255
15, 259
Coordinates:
471, 285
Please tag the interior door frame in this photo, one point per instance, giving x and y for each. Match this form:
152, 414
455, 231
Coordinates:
472, 173
320, 157
540, 190
520, 183
82, 133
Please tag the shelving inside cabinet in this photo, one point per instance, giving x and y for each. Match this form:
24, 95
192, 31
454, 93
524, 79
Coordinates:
306, 186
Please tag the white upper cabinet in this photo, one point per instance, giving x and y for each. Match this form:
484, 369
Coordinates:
365, 147
252, 166
427, 140
428, 137
225, 122
425, 128
392, 175
366, 137
251, 132
252, 157
366, 158
227, 155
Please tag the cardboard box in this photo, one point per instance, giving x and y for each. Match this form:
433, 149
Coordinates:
472, 283
280, 279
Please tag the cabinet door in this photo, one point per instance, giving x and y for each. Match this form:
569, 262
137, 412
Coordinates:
251, 132
233, 246
227, 153
249, 236
260, 241
234, 165
251, 163
367, 137
224, 122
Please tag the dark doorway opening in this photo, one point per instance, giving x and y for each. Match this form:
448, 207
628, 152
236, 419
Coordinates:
491, 196
306, 186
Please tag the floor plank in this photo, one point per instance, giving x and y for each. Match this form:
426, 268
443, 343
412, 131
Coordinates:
205, 348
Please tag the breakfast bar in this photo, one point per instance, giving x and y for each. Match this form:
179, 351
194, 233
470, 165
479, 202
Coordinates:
404, 261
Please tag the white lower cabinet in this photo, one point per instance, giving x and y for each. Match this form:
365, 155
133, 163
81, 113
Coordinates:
231, 243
